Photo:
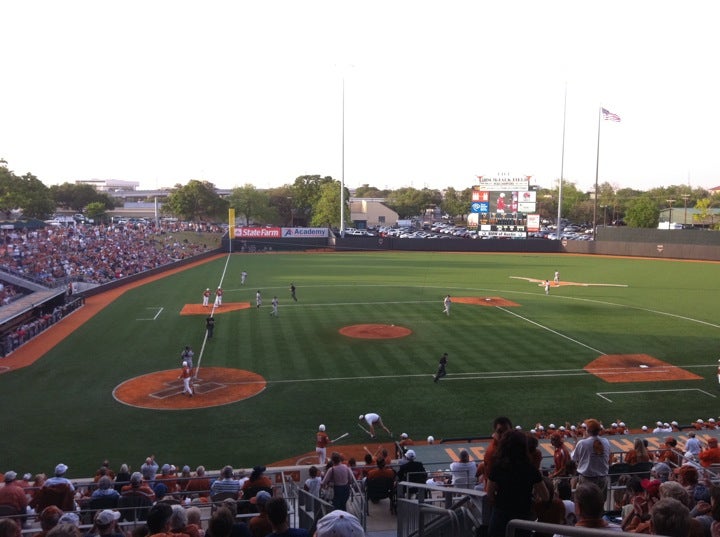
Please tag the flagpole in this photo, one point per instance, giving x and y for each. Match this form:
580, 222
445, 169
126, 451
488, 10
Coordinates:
342, 166
562, 169
597, 167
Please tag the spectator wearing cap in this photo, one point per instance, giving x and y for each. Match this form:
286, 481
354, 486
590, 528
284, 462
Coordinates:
226, 483
592, 456
200, 484
260, 524
257, 481
711, 454
660, 471
693, 445
404, 443
711, 424
412, 470
137, 485
149, 470
699, 424
277, 511
622, 428
105, 524
59, 477
339, 524
168, 478
12, 494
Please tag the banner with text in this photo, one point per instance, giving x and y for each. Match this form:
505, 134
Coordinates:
282, 232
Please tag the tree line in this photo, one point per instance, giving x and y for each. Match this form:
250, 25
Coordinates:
314, 200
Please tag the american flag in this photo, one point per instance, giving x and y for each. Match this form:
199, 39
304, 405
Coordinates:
609, 116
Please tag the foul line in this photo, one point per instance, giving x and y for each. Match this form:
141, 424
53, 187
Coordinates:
550, 330
602, 394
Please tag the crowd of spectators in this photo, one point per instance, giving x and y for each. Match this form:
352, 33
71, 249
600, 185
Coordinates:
26, 331
95, 254
8, 293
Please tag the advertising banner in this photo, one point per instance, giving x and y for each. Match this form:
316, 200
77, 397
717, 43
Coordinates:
498, 184
305, 232
282, 232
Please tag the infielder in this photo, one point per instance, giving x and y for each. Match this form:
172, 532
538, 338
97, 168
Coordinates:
446, 303
206, 297
218, 297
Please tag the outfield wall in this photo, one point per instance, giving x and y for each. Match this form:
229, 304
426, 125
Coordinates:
620, 241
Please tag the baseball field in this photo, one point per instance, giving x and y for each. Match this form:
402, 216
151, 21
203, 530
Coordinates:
634, 340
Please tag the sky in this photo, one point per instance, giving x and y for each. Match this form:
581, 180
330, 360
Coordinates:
389, 93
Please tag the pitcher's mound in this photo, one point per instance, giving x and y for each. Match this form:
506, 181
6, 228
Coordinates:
484, 301
214, 386
375, 331
199, 309
636, 368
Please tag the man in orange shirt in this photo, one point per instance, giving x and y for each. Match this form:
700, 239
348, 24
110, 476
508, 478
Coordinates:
711, 455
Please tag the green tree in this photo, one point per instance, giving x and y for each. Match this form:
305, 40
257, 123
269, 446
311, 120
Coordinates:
196, 201
456, 203
326, 212
366, 191
306, 193
281, 202
704, 216
410, 202
96, 210
26, 193
252, 204
77, 196
643, 212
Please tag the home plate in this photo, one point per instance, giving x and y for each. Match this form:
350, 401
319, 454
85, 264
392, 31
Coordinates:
643, 366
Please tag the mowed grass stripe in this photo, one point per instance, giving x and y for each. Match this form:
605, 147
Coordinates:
499, 363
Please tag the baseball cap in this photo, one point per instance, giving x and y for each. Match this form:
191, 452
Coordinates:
404, 435
339, 524
651, 485
644, 427
261, 498
10, 476
60, 469
106, 517
70, 518
361, 416
431, 439
410, 454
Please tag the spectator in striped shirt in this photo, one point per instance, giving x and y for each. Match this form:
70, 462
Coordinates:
226, 483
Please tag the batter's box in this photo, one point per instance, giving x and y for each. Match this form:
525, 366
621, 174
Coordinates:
636, 368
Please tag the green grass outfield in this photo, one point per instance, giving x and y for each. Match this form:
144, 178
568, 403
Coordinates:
525, 362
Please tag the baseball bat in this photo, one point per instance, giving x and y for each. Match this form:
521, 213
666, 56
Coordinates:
364, 429
340, 437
